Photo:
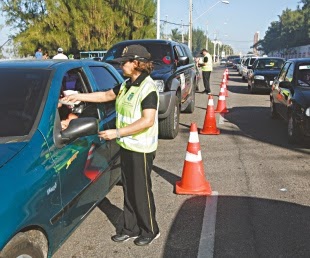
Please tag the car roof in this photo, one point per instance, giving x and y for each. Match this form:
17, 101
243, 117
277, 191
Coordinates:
299, 60
44, 64
158, 41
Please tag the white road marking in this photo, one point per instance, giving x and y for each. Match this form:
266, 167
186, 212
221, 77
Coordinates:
206, 244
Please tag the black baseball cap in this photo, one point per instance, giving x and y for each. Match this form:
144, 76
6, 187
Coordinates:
133, 52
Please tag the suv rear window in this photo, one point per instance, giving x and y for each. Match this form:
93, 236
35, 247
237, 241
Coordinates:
160, 53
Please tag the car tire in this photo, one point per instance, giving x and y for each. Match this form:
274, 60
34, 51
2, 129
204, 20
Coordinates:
252, 90
273, 112
169, 127
23, 246
293, 132
191, 106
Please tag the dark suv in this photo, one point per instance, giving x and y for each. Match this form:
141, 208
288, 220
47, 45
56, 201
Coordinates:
175, 76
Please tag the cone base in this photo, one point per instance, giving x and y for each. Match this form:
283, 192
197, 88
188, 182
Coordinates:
205, 190
211, 132
223, 111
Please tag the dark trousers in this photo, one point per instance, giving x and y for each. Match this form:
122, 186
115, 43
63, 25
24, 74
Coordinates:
139, 207
206, 80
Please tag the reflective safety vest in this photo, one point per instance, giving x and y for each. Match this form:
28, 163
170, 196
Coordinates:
208, 66
128, 110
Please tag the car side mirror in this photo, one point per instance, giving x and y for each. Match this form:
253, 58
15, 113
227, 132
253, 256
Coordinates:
285, 84
79, 127
183, 60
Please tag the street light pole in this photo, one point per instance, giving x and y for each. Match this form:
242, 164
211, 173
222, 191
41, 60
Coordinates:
190, 31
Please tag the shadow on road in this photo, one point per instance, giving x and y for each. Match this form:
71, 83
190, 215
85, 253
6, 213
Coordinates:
245, 227
255, 122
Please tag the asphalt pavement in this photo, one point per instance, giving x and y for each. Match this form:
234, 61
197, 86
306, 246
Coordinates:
262, 205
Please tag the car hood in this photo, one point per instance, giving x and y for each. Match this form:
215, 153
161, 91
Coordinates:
9, 150
302, 96
267, 72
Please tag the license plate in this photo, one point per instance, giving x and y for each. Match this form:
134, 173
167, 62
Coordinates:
271, 82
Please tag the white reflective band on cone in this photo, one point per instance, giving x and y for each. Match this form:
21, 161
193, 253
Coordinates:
211, 102
221, 97
193, 137
192, 157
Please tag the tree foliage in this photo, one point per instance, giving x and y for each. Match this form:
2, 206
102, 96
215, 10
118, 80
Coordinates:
77, 25
292, 30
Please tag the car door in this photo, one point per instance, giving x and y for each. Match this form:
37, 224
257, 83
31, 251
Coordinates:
106, 80
184, 75
83, 164
277, 93
285, 92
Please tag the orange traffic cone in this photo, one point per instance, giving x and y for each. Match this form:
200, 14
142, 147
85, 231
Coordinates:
226, 74
209, 126
193, 179
224, 85
221, 104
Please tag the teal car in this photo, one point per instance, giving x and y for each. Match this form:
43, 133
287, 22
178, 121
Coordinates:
52, 174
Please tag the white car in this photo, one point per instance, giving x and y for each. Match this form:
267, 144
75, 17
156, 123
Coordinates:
247, 65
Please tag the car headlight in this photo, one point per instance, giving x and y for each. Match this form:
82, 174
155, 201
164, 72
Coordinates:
160, 85
259, 77
307, 113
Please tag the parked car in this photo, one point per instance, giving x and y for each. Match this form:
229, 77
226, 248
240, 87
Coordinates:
263, 72
230, 59
223, 61
290, 98
236, 62
247, 64
175, 76
51, 178
240, 66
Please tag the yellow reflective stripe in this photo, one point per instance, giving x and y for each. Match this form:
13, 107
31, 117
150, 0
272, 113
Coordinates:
148, 195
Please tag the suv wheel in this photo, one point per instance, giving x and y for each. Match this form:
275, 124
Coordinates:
191, 106
293, 131
169, 127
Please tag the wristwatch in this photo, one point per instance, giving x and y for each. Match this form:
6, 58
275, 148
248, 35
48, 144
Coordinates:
117, 133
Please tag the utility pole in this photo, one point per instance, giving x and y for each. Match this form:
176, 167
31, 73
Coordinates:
190, 29
207, 37
158, 20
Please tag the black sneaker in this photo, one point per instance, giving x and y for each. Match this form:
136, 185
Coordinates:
141, 240
122, 238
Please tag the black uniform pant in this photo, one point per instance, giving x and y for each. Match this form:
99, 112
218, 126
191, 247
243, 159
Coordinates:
138, 217
206, 80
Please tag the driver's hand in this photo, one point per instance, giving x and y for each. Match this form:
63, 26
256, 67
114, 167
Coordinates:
71, 98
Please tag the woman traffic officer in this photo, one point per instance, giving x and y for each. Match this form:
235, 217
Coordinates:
137, 134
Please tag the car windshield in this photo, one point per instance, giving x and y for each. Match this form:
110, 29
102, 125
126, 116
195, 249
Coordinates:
160, 53
303, 75
269, 64
21, 95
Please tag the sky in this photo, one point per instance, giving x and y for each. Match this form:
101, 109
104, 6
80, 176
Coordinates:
233, 24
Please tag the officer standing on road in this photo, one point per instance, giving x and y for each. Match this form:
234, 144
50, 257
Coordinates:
206, 68
137, 134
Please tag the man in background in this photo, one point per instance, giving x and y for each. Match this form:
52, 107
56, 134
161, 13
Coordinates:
38, 54
60, 54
